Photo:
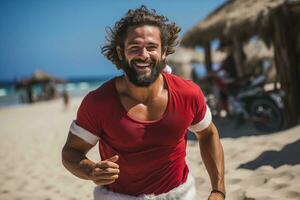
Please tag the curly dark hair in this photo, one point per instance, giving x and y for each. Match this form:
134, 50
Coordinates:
138, 17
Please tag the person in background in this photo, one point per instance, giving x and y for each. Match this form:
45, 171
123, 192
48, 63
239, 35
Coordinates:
225, 77
66, 98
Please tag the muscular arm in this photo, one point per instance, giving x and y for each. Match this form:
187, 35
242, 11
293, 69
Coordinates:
212, 155
74, 156
75, 160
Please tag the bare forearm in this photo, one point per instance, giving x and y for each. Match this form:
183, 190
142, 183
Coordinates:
77, 163
213, 158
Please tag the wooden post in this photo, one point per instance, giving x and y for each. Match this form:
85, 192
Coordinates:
207, 52
285, 59
238, 57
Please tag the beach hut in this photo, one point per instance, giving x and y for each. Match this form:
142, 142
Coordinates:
276, 22
46, 82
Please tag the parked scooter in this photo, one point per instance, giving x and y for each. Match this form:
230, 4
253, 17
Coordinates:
251, 102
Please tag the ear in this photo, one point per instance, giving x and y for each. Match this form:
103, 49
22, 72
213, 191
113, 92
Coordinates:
119, 52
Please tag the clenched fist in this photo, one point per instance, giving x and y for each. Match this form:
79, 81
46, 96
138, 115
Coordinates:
104, 172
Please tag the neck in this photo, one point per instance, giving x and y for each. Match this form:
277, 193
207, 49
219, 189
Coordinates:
144, 94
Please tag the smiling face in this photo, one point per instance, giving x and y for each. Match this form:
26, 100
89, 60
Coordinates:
144, 59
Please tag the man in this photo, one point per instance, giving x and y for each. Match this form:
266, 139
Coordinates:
140, 120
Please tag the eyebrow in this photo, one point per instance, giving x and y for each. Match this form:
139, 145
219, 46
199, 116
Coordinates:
136, 43
152, 43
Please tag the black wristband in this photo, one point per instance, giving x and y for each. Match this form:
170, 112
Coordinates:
219, 192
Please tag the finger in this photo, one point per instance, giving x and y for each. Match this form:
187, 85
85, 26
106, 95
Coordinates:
115, 158
99, 171
104, 182
107, 164
105, 177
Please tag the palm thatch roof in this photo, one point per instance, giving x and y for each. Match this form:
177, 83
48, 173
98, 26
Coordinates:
188, 55
254, 51
233, 17
38, 77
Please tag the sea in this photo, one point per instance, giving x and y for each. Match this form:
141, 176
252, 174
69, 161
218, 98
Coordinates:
76, 87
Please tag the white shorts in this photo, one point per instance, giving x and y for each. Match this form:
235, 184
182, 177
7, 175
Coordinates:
186, 191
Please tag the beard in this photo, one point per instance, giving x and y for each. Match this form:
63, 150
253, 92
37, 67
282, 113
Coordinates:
142, 80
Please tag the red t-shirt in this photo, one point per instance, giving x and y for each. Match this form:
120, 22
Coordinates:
152, 153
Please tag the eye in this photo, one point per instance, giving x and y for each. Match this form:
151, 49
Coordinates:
133, 48
151, 48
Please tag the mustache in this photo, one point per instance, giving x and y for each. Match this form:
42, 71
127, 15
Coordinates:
148, 61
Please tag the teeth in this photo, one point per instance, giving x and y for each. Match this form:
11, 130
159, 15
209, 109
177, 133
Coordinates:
142, 64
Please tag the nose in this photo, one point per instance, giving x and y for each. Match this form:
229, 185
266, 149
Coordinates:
143, 53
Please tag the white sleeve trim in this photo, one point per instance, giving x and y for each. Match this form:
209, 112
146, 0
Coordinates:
204, 123
83, 134
168, 69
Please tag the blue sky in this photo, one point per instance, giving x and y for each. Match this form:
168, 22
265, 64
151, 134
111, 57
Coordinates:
63, 37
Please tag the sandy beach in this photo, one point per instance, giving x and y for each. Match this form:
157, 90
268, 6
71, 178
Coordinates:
258, 166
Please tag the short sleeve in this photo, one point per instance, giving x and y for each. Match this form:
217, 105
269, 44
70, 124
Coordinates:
202, 114
86, 125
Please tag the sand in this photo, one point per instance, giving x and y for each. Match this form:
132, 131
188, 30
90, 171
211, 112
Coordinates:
258, 167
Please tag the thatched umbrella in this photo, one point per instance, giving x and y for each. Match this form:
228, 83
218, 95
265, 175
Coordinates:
183, 58
39, 78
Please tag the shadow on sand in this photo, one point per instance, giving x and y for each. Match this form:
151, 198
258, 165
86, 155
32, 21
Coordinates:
288, 155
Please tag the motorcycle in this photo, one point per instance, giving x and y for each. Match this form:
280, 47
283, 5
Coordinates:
250, 102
